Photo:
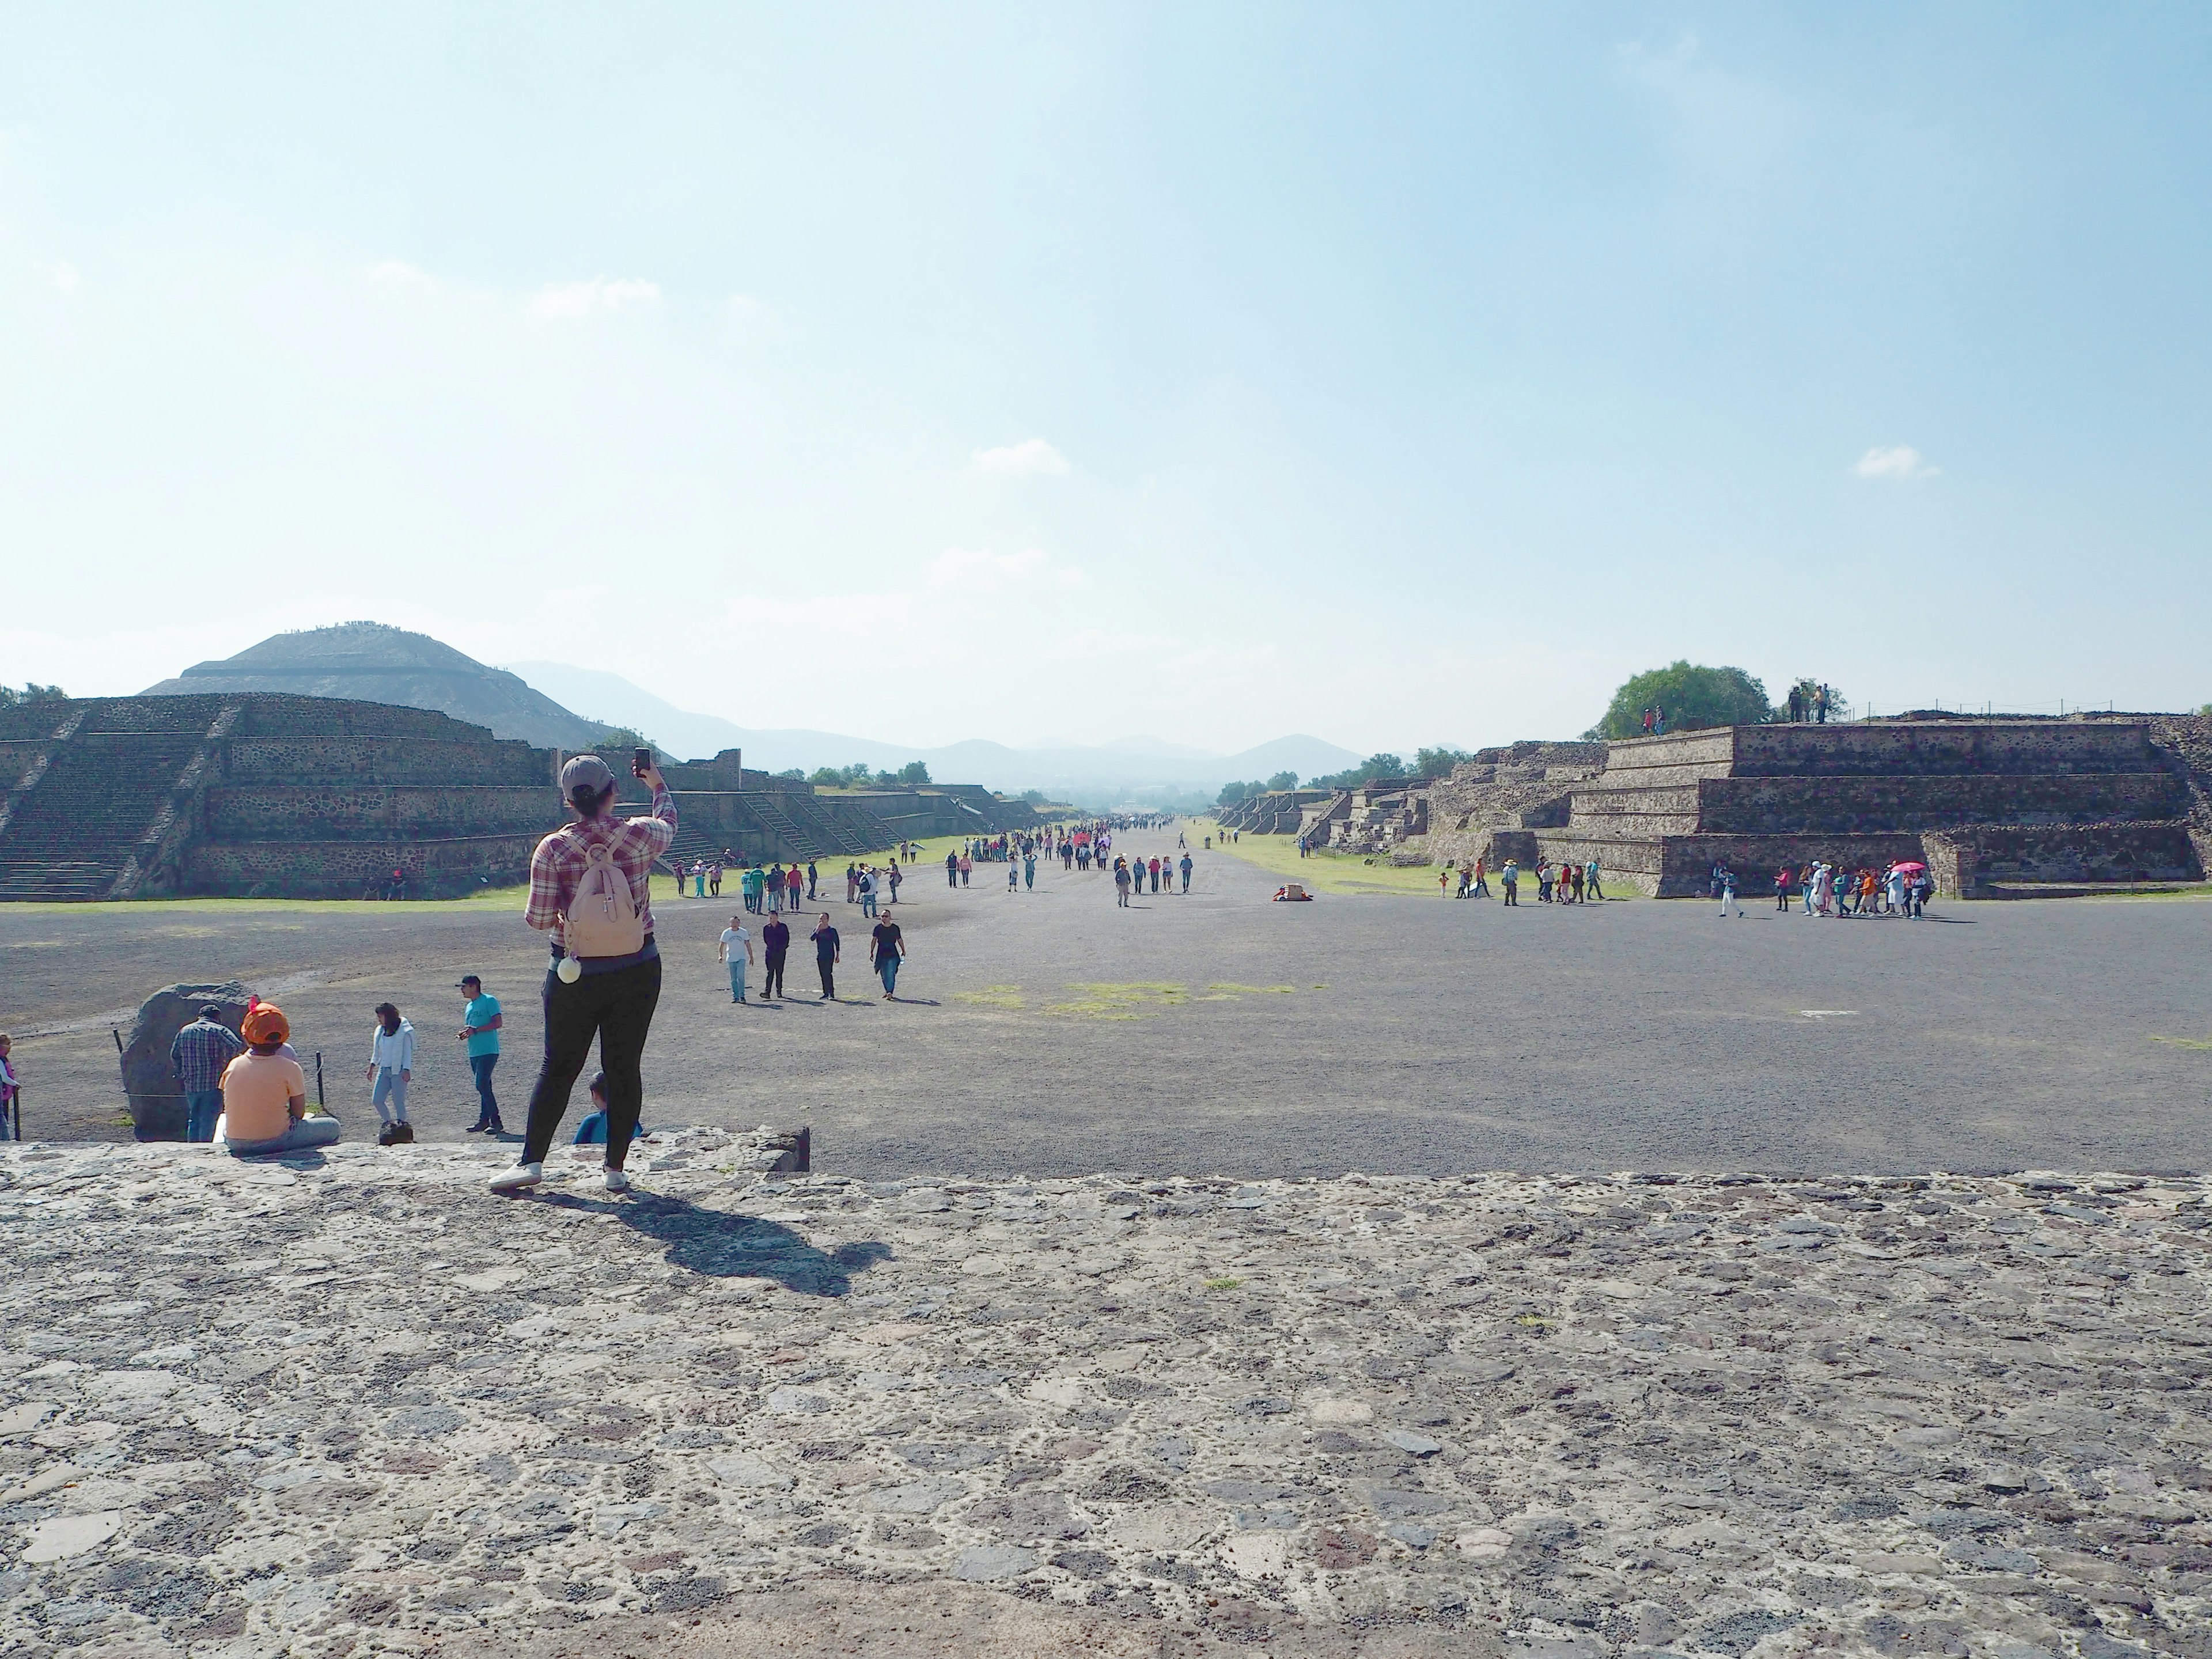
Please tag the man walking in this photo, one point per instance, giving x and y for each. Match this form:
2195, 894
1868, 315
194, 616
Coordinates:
736, 948
481, 1024
1509, 879
1185, 868
888, 947
775, 940
825, 956
814, 876
775, 889
952, 869
868, 892
197, 1056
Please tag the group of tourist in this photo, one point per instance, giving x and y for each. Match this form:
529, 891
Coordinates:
1570, 883
1902, 888
1813, 705
1130, 875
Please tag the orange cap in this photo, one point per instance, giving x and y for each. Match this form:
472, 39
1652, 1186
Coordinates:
265, 1023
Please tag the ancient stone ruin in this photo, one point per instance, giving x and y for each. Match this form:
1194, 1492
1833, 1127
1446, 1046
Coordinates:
1996, 808
293, 797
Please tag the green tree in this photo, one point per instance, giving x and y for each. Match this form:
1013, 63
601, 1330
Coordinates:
1284, 780
1374, 766
1693, 697
1232, 793
620, 739
1438, 763
914, 773
827, 777
794, 774
32, 692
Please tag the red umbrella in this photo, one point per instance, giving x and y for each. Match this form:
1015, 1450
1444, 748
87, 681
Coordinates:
1914, 864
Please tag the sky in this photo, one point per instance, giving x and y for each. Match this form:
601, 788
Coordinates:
1402, 374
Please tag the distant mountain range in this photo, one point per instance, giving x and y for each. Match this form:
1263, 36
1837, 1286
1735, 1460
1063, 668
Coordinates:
1125, 763
537, 702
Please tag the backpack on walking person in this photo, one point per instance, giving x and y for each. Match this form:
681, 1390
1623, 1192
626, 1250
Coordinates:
603, 919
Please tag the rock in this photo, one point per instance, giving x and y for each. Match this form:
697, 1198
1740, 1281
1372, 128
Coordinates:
149, 1084
1420, 1445
67, 1535
991, 1562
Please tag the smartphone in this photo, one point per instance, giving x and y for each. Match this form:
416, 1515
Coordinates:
641, 762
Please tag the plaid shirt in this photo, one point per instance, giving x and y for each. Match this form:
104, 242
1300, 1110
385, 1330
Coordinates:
202, 1049
558, 864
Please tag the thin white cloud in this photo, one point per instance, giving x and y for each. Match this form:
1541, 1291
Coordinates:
600, 294
977, 571
62, 275
1032, 455
398, 273
1894, 461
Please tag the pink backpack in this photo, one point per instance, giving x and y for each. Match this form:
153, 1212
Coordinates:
603, 920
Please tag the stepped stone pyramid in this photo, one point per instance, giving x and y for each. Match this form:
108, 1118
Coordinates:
298, 797
373, 662
1995, 808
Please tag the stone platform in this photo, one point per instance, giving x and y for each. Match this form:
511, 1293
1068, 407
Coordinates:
356, 1404
2060, 803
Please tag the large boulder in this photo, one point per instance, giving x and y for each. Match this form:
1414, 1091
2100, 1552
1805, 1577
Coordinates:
157, 1105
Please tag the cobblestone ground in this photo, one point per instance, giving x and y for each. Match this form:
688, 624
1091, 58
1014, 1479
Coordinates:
357, 1405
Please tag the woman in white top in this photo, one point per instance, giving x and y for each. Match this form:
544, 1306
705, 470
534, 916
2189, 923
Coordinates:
391, 1068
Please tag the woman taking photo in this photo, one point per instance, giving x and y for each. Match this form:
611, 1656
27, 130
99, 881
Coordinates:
589, 889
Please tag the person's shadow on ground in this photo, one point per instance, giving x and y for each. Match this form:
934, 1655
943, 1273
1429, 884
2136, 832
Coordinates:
726, 1246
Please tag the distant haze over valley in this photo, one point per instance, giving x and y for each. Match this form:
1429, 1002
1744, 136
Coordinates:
1127, 763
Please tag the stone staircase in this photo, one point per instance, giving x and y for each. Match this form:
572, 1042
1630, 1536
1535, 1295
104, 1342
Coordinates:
73, 833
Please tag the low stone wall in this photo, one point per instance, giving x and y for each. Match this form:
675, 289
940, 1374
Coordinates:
387, 760
1966, 861
327, 812
1681, 866
442, 868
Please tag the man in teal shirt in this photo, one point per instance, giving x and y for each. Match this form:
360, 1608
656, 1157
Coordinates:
480, 1022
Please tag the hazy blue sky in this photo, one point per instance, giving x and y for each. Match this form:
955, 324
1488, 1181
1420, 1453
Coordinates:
1400, 374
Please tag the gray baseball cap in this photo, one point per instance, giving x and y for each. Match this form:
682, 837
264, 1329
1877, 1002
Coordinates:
585, 771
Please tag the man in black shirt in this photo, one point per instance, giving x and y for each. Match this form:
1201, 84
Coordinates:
775, 938
825, 956
888, 949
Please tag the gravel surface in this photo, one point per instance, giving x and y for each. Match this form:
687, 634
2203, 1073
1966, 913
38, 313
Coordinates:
1417, 1035
356, 1404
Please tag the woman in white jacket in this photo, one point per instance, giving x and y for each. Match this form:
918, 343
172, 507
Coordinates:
392, 1067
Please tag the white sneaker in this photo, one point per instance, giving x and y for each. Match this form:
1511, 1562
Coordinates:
617, 1179
521, 1175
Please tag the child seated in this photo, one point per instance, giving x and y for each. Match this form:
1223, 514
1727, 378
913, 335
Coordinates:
592, 1131
265, 1095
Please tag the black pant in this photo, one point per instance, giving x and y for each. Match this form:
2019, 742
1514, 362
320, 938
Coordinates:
829, 978
774, 986
618, 1009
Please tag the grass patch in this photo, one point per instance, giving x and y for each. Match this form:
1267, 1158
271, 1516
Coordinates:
1324, 871
484, 898
1129, 1001
1255, 990
1224, 1283
2184, 1042
993, 996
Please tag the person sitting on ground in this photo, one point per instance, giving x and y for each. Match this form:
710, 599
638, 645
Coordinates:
264, 1095
592, 1131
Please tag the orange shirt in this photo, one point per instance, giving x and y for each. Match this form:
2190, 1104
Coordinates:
257, 1092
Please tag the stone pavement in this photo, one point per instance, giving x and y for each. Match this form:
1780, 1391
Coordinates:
356, 1404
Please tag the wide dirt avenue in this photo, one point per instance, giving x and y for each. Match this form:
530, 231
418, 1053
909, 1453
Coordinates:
1051, 1032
